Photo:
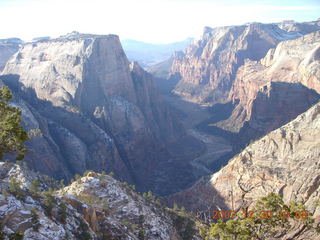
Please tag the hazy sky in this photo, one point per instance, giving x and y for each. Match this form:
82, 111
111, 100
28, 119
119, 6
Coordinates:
155, 21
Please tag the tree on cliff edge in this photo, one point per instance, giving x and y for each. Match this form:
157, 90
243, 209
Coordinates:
12, 135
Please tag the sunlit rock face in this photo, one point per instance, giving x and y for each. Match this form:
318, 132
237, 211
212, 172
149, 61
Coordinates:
96, 111
274, 90
285, 162
96, 207
208, 67
301, 27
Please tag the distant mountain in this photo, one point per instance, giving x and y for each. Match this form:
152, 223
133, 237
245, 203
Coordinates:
209, 66
162, 69
148, 54
37, 39
8, 47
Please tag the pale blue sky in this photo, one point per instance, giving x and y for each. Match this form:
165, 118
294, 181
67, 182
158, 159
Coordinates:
157, 21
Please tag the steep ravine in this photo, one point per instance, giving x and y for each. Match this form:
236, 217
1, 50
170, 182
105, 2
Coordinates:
98, 111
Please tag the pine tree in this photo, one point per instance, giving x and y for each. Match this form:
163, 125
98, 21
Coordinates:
141, 234
62, 212
15, 188
16, 236
12, 135
35, 219
49, 202
83, 231
34, 188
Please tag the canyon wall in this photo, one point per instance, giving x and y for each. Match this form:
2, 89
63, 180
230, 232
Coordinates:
274, 90
98, 111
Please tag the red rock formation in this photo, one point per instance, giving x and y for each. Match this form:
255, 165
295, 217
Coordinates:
268, 91
209, 66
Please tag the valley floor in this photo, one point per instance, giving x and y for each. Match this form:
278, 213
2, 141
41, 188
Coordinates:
218, 148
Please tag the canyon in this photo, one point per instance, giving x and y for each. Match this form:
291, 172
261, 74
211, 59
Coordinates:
95, 110
232, 118
208, 67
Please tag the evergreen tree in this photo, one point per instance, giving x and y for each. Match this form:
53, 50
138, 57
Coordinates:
141, 234
83, 231
12, 135
49, 202
35, 219
16, 236
34, 188
15, 188
62, 212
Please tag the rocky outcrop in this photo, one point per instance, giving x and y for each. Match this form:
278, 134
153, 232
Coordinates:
274, 90
96, 111
285, 162
8, 47
209, 66
126, 210
25, 212
93, 207
302, 27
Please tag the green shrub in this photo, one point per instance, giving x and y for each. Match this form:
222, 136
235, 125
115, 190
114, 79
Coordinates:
83, 231
35, 219
15, 188
62, 212
49, 202
253, 226
16, 236
141, 234
34, 188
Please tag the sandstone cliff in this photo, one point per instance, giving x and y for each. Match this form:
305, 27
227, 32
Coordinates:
274, 90
96, 111
209, 66
285, 162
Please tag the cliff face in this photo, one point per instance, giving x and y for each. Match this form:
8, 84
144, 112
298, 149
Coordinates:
274, 90
95, 207
285, 162
8, 47
209, 66
95, 109
302, 27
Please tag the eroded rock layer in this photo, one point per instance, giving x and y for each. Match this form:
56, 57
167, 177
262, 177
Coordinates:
285, 161
209, 66
274, 90
93, 207
96, 111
